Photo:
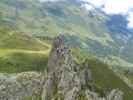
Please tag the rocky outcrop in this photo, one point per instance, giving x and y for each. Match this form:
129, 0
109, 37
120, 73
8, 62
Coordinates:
20, 86
115, 94
63, 80
68, 81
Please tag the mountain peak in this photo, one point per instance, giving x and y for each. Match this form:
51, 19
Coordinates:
68, 81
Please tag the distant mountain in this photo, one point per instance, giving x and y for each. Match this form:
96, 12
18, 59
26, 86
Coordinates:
93, 31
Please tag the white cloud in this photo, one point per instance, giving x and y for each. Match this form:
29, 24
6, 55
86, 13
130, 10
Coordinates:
97, 3
113, 6
88, 7
130, 19
116, 7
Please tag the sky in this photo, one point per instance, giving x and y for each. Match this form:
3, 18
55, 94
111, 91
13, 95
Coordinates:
124, 7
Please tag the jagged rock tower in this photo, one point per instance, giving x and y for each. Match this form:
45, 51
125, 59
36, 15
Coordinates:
66, 80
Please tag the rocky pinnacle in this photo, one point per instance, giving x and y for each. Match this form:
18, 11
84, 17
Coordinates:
66, 80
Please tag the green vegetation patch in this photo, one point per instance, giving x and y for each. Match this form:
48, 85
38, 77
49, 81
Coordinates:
107, 80
18, 40
103, 78
21, 62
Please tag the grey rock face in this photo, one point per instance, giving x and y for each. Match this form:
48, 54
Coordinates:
19, 86
115, 94
65, 80
71, 95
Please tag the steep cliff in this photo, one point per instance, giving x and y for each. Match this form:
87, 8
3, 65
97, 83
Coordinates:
66, 80
63, 80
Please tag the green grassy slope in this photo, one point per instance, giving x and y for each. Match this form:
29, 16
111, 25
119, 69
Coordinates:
106, 79
15, 40
52, 18
68, 17
21, 52
103, 78
21, 62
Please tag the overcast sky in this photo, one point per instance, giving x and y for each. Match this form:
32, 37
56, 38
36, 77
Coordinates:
113, 7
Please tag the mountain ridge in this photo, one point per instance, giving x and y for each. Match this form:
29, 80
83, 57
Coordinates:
49, 18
